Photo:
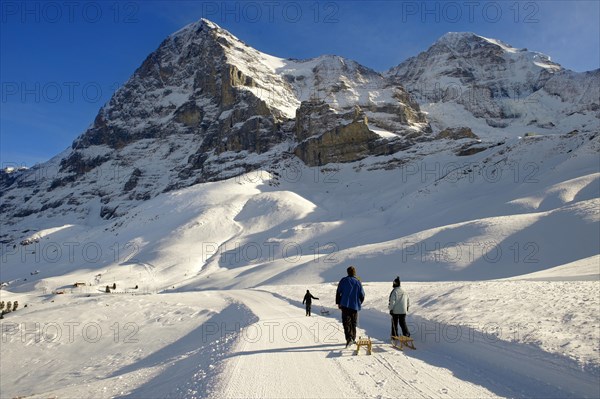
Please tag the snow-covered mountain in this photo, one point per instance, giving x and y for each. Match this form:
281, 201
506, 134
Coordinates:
494, 88
205, 106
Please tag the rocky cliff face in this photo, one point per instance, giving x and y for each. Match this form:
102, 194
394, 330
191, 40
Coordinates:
191, 87
326, 136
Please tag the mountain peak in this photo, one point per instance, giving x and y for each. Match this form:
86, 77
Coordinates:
208, 23
453, 37
197, 26
456, 40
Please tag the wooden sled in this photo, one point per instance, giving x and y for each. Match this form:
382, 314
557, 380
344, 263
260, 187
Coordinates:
399, 342
364, 342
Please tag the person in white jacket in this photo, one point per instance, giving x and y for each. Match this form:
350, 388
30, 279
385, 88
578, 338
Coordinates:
398, 307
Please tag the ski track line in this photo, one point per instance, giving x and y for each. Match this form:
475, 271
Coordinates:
411, 383
392, 374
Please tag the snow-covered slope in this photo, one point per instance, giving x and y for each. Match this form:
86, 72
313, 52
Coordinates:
587, 269
517, 207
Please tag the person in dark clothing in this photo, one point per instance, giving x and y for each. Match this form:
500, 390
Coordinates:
349, 297
308, 300
398, 306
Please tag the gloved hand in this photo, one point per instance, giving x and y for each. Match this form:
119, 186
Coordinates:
391, 312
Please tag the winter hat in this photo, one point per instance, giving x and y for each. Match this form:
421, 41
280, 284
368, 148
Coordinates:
351, 271
397, 282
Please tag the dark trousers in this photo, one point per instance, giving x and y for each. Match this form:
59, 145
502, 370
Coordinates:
349, 320
399, 319
308, 309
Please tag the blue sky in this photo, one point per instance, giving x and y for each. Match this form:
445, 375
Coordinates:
61, 61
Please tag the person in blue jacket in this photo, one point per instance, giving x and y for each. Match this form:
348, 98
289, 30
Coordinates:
349, 296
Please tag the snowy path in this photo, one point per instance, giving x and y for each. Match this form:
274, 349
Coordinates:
287, 355
281, 355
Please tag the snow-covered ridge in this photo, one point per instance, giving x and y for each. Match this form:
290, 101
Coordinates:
465, 79
458, 40
284, 83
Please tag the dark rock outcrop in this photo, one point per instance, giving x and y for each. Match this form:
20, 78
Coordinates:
456, 133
